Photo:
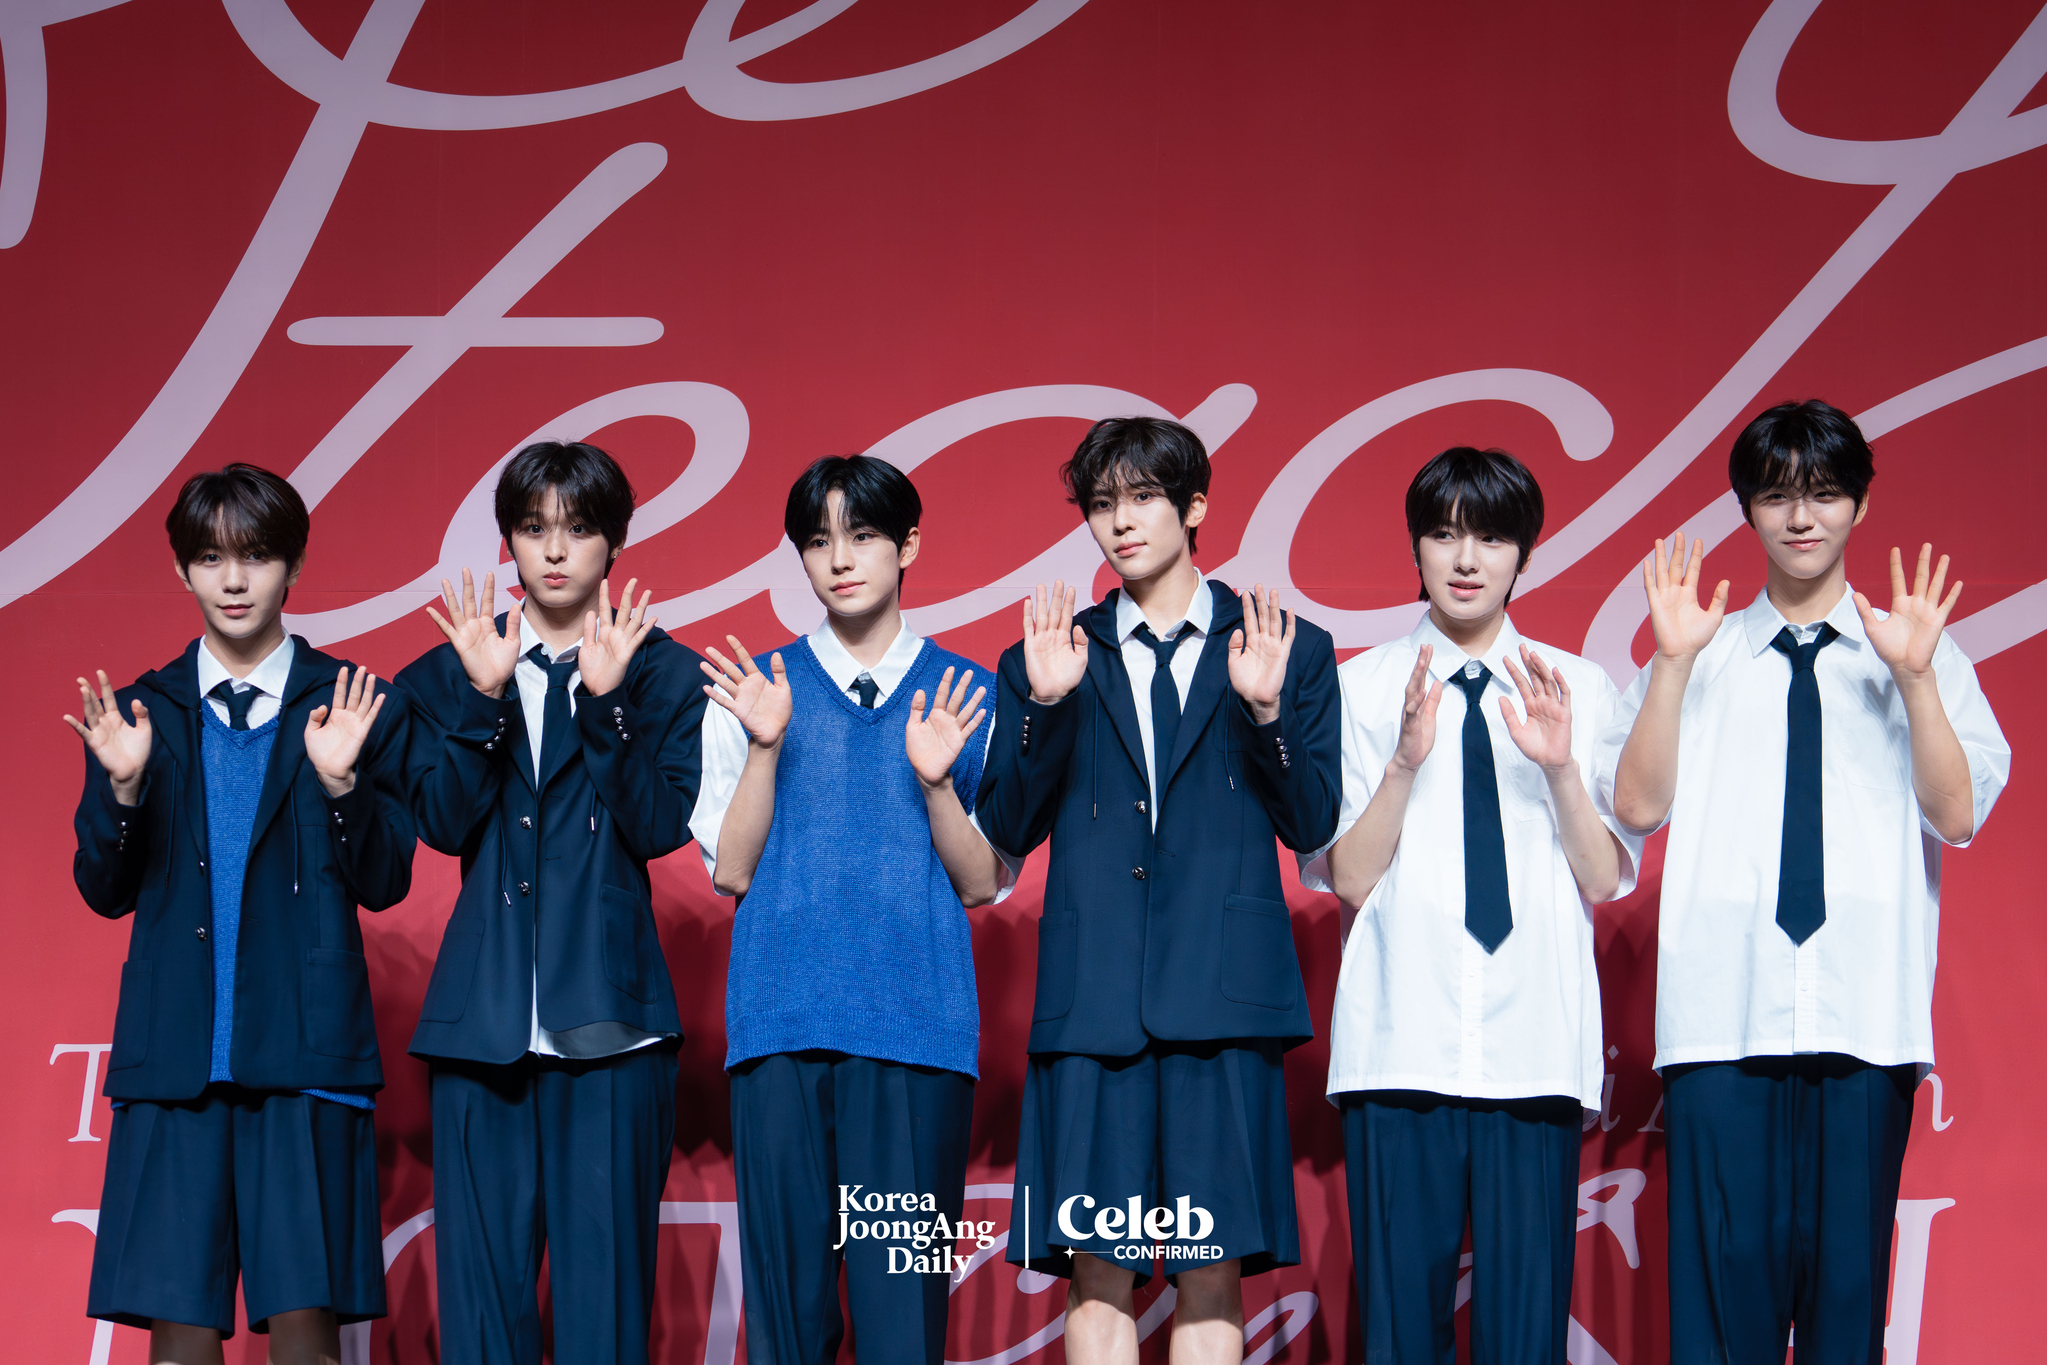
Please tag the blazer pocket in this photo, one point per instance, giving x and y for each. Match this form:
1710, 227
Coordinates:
1258, 953
131, 1019
447, 994
625, 942
334, 994
1058, 963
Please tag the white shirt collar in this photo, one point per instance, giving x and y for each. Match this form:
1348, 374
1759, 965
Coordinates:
1449, 657
842, 668
1761, 621
529, 637
268, 677
1200, 614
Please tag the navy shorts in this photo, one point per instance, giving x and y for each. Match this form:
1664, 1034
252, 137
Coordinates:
1191, 1138
278, 1188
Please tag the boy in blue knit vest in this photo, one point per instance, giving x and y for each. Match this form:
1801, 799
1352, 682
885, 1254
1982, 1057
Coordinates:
241, 802
838, 807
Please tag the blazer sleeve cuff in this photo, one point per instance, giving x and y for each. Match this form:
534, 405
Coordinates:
1273, 747
482, 718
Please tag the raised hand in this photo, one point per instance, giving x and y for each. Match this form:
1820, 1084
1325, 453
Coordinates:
1055, 649
487, 657
1418, 714
761, 704
121, 748
609, 639
1682, 626
1259, 651
933, 742
1905, 639
1546, 699
335, 734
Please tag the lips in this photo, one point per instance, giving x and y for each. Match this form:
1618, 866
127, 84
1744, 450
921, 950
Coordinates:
847, 589
1125, 551
235, 609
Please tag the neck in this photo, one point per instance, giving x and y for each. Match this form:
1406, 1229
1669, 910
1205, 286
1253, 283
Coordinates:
238, 657
867, 637
1473, 637
1165, 596
1801, 601
559, 627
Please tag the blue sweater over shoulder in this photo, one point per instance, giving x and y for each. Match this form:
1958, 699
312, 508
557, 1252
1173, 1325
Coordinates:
850, 937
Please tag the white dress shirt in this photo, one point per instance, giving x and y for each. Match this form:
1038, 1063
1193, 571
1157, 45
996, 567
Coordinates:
1730, 983
1420, 1004
1141, 663
267, 678
531, 678
725, 741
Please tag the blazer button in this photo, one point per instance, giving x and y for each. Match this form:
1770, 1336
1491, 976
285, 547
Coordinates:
525, 888
525, 822
201, 931
618, 710
1137, 872
1141, 809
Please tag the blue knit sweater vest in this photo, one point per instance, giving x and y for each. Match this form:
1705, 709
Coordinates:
851, 937
234, 761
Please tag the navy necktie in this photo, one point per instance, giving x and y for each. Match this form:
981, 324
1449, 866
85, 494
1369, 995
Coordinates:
237, 703
1488, 914
1802, 856
1165, 703
868, 689
554, 707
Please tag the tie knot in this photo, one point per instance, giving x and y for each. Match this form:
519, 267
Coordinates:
1472, 678
1803, 656
868, 690
236, 702
560, 669
1161, 650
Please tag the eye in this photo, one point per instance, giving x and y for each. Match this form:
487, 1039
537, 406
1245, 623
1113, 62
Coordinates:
579, 529
1142, 496
210, 557
862, 537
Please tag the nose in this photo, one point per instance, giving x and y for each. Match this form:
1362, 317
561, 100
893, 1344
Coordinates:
555, 547
842, 552
1467, 555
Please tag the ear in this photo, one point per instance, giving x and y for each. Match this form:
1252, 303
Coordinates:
1197, 508
1861, 509
291, 576
907, 554
183, 577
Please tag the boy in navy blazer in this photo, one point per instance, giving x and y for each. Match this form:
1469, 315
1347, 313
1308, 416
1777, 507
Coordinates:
556, 755
242, 802
1161, 741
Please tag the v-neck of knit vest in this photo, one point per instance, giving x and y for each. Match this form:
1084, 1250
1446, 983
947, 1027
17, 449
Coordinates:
845, 695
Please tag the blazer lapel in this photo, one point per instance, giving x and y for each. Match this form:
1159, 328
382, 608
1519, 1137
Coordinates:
311, 672
1112, 679
177, 723
1211, 685
520, 755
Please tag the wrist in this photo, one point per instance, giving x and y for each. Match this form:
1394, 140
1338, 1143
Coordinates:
494, 693
1399, 771
1561, 775
938, 788
1910, 680
1051, 699
127, 791
1263, 712
1680, 664
337, 786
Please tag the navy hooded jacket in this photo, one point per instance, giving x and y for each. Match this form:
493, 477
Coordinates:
554, 872
302, 989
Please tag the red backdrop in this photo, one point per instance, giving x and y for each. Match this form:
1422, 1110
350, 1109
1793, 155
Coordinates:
345, 239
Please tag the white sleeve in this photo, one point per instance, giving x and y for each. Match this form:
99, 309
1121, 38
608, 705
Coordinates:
1983, 741
724, 758
1611, 732
1011, 867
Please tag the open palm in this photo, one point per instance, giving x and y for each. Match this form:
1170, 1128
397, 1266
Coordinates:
1905, 639
933, 742
335, 733
1055, 649
121, 748
611, 638
1682, 626
760, 703
487, 657
1545, 736
1259, 653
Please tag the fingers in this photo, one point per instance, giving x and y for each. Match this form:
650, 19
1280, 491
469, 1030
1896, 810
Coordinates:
89, 704
1693, 566
1897, 574
1433, 700
1954, 594
1237, 640
721, 670
107, 694
1919, 577
1934, 589
1417, 681
975, 704
747, 667
723, 697
142, 712
917, 707
83, 733
1079, 640
316, 719
1521, 685
487, 602
468, 604
341, 689
513, 618
973, 722
442, 622
781, 673
367, 689
1066, 611
1033, 611
939, 698
1866, 612
1514, 722
448, 598
1719, 603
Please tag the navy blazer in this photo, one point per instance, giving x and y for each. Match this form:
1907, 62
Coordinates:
553, 871
302, 990
1181, 934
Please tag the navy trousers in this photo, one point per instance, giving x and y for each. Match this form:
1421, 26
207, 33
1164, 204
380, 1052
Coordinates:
805, 1126
1783, 1192
1418, 1165
563, 1156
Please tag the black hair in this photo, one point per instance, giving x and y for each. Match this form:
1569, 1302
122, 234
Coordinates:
1138, 452
878, 497
239, 510
592, 488
1809, 447
1479, 492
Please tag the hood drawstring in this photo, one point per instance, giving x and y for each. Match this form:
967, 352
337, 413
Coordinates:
1094, 761
294, 838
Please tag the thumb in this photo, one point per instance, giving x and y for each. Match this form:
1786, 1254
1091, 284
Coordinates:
1236, 642
917, 708
1079, 640
316, 719
141, 711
